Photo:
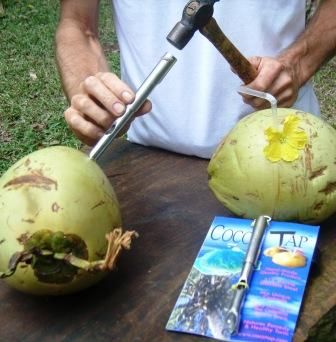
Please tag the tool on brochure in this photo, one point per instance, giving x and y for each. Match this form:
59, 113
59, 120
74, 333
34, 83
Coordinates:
250, 264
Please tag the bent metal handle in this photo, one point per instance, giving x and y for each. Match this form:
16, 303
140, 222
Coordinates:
244, 69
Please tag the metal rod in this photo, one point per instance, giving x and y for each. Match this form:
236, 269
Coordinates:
250, 264
154, 78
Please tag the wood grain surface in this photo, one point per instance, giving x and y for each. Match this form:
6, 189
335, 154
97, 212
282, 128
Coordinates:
166, 199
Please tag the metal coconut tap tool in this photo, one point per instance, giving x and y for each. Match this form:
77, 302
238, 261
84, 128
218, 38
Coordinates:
232, 319
154, 78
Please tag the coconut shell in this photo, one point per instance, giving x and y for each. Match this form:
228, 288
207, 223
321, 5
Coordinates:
249, 184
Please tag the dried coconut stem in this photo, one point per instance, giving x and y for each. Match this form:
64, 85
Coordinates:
116, 241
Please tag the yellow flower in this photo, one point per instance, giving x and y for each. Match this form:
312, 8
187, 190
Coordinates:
285, 145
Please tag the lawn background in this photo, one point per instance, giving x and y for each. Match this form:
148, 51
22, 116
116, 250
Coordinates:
31, 99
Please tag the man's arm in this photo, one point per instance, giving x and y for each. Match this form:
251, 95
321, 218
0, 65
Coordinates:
284, 75
97, 96
316, 45
78, 51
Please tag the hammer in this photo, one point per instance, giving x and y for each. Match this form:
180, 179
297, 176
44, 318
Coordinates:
198, 15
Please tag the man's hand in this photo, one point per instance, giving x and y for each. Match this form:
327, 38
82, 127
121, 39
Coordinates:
284, 75
97, 97
276, 78
103, 98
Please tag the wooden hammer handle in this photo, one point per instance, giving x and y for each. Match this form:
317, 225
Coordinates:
244, 69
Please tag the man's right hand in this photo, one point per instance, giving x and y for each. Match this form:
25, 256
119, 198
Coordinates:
102, 99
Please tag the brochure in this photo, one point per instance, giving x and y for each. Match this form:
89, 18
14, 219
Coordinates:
273, 300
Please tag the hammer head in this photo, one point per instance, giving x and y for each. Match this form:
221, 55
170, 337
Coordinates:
196, 14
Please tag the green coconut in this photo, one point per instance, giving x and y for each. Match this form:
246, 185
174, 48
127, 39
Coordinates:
250, 181
59, 223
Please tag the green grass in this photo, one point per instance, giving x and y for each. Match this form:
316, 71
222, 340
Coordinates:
325, 86
31, 99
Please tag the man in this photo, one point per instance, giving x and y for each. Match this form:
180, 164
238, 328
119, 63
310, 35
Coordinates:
197, 103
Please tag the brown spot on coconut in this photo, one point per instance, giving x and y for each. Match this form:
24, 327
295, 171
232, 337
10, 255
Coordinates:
55, 207
317, 173
33, 180
329, 188
28, 221
98, 205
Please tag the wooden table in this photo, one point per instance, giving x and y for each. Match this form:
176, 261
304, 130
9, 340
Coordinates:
165, 197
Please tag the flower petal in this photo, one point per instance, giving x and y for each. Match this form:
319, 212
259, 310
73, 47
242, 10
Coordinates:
297, 139
289, 153
285, 145
272, 134
290, 125
273, 151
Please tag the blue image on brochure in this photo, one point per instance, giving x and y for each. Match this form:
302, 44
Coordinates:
273, 300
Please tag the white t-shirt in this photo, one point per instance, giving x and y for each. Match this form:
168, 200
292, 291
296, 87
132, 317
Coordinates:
197, 104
